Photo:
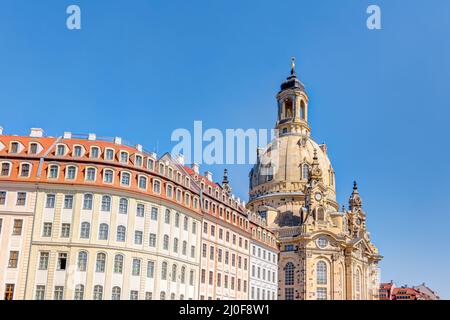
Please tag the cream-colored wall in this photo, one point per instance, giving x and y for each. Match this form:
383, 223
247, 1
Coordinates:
9, 242
72, 245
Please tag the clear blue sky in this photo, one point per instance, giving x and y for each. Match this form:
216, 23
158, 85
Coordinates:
140, 69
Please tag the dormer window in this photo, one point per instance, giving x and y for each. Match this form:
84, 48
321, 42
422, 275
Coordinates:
125, 179
77, 151
33, 148
138, 161
108, 176
95, 152
60, 150
71, 172
6, 166
150, 164
53, 171
109, 154
90, 174
123, 157
14, 147
25, 170
170, 173
161, 168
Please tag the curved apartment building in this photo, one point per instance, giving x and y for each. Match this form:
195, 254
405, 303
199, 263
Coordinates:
84, 217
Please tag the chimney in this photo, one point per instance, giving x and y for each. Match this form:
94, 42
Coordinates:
209, 175
323, 147
36, 133
1, 131
92, 136
195, 167
153, 155
139, 147
118, 140
67, 135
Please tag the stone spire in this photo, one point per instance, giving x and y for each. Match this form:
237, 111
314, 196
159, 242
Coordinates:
225, 183
316, 172
355, 201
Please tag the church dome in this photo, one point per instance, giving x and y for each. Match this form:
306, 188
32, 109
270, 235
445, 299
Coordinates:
285, 165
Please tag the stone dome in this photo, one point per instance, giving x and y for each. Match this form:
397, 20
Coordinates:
281, 167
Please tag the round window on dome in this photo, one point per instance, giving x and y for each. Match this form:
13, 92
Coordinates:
322, 242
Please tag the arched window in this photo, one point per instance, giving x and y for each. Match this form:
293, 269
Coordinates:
175, 245
183, 274
305, 171
79, 292
125, 179
321, 270
82, 261
164, 271
71, 172
320, 214
302, 110
108, 176
167, 216
98, 292
53, 171
5, 168
101, 261
177, 219
106, 203
103, 232
123, 205
85, 230
174, 272
118, 263
87, 201
166, 242
115, 293
143, 182
156, 186
90, 174
184, 248
121, 233
25, 170
289, 274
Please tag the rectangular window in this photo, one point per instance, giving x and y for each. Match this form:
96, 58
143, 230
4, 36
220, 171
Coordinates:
203, 276
21, 198
109, 154
150, 269
40, 293
43, 260
58, 293
321, 293
65, 230
136, 271
9, 291
68, 201
134, 295
17, 228
152, 240
33, 148
50, 202
211, 278
138, 237
47, 231
2, 197
62, 261
289, 294
154, 213
13, 259
140, 209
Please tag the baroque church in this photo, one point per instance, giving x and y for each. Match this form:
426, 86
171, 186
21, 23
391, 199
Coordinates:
325, 250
